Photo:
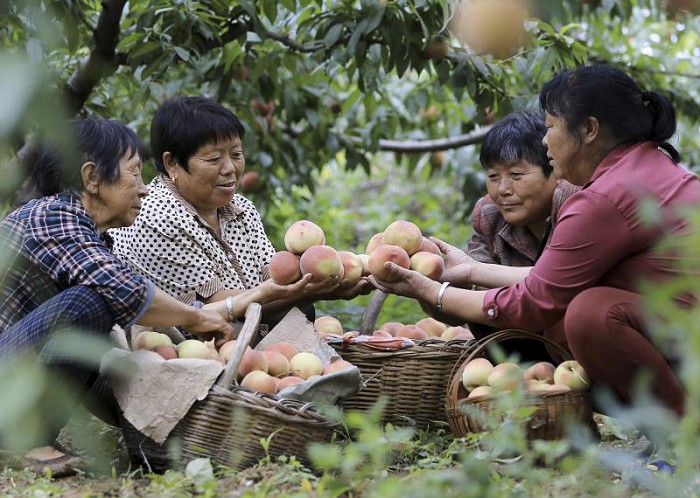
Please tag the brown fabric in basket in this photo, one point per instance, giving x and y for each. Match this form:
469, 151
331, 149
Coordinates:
157, 393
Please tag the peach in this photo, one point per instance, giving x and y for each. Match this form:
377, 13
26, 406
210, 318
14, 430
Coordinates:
412, 332
149, 339
277, 363
364, 259
433, 327
352, 268
284, 268
381, 333
292, 380
385, 253
260, 381
558, 388
303, 234
404, 234
506, 377
476, 373
451, 333
493, 27
192, 348
252, 360
305, 365
570, 373
542, 370
287, 349
376, 240
328, 325
250, 182
392, 327
166, 351
322, 262
537, 385
336, 366
480, 391
428, 264
227, 348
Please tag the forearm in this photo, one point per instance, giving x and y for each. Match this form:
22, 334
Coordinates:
490, 276
166, 311
461, 305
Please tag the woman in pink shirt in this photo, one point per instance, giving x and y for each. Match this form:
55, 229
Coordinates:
607, 135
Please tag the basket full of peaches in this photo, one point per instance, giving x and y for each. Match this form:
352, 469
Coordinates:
558, 395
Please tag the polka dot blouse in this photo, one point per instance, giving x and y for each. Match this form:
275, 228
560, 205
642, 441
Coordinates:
174, 247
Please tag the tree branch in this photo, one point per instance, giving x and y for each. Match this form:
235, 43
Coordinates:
416, 146
102, 61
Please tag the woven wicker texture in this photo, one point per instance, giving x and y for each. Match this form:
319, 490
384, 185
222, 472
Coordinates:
554, 411
228, 425
412, 379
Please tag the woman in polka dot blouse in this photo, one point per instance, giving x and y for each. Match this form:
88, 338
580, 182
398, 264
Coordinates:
195, 237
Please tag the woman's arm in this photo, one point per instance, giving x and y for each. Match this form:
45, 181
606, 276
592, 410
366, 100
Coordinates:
166, 311
464, 271
463, 304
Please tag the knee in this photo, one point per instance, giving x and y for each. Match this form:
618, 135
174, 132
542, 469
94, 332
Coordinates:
585, 317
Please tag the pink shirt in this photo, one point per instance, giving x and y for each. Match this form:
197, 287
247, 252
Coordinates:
600, 239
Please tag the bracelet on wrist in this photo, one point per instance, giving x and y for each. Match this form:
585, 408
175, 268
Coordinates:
230, 310
440, 295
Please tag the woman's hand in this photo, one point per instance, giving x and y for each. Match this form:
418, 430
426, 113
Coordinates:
407, 283
273, 291
459, 266
212, 323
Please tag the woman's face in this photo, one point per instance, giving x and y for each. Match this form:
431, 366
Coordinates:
214, 172
522, 192
564, 151
121, 200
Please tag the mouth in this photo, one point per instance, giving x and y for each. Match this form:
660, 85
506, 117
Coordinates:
509, 206
227, 185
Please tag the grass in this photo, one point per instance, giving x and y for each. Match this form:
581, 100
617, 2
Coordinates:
378, 462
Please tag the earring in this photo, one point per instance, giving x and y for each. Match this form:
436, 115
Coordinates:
175, 180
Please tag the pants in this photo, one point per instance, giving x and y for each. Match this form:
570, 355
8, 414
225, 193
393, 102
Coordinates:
78, 308
604, 329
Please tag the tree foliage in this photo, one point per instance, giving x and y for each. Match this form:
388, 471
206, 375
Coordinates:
316, 81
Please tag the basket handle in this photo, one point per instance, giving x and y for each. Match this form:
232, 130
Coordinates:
369, 319
245, 336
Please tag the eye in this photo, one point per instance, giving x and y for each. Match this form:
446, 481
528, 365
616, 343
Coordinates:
213, 160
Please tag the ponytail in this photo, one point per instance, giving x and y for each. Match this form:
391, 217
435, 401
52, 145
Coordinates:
663, 117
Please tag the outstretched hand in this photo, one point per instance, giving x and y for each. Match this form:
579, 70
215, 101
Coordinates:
403, 282
458, 264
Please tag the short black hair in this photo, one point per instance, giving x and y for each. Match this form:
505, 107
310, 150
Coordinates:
517, 137
184, 124
101, 141
627, 112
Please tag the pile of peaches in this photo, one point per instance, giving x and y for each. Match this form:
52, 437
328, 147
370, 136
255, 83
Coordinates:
402, 242
424, 329
482, 379
278, 366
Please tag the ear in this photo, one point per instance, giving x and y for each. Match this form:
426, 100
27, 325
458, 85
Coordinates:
91, 180
170, 164
590, 129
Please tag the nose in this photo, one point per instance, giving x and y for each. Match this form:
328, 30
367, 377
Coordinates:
505, 186
143, 188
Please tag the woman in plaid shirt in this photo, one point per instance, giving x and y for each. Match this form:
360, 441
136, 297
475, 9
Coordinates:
59, 273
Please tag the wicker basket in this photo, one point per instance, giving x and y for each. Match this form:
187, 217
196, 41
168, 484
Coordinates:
412, 379
228, 425
554, 412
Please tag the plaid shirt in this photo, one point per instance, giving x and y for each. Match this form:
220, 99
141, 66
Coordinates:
496, 241
51, 244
